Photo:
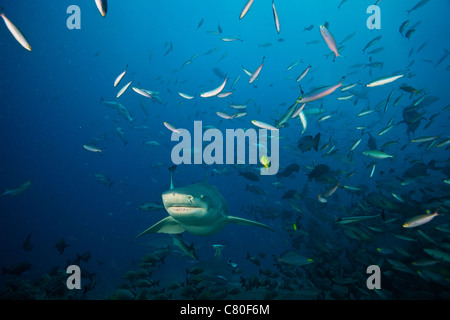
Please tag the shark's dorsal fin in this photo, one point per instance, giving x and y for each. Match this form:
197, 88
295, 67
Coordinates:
246, 222
166, 225
172, 170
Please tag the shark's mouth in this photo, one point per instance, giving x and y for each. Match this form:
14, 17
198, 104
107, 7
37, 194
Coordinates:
185, 209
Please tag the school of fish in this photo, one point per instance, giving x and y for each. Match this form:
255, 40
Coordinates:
353, 184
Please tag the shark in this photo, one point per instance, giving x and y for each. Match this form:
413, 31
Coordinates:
198, 208
17, 191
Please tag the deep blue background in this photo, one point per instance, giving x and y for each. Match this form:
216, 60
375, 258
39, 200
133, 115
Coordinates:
50, 107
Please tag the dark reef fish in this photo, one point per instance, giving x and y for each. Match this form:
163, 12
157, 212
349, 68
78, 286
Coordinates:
289, 194
306, 143
61, 245
289, 170
412, 118
318, 171
249, 175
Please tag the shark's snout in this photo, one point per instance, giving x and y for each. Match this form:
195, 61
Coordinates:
177, 199
180, 204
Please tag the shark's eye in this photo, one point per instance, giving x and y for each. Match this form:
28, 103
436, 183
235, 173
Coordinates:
202, 196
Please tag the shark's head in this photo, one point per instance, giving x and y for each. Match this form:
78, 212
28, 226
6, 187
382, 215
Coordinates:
198, 208
199, 201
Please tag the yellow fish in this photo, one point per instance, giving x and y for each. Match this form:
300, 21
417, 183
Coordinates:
265, 162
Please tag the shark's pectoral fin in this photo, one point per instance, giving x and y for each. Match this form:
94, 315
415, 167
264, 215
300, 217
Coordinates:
246, 222
166, 225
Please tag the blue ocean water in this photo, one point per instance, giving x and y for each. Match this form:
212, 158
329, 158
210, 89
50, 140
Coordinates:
52, 106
